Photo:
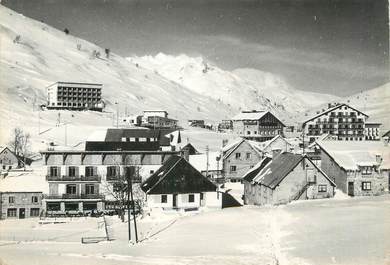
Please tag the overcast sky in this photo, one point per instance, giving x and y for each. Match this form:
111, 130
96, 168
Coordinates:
331, 46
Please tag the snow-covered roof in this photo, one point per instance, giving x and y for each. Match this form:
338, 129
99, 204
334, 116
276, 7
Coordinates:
98, 136
349, 155
236, 144
25, 181
232, 144
250, 115
200, 161
333, 108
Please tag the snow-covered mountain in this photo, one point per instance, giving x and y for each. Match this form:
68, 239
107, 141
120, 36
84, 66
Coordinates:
34, 55
241, 88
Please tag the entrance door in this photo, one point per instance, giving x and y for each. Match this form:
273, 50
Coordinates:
174, 201
350, 188
22, 213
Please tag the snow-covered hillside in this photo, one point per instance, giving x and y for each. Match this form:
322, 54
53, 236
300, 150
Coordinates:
34, 55
241, 88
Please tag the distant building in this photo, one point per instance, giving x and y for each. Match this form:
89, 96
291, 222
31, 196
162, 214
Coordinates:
196, 123
75, 96
372, 131
386, 137
132, 120
278, 143
225, 125
157, 119
238, 157
342, 120
285, 178
257, 125
178, 185
9, 160
358, 168
190, 149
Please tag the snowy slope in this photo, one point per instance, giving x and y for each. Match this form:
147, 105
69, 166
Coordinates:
43, 55
241, 88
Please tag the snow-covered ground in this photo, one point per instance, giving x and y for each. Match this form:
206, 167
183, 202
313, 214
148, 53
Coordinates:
328, 231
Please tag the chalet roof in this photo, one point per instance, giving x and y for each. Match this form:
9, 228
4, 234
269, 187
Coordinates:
278, 168
349, 155
199, 161
250, 115
21, 159
252, 144
252, 173
263, 145
115, 135
175, 167
331, 109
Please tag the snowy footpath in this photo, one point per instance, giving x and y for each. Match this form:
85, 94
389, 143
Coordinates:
346, 231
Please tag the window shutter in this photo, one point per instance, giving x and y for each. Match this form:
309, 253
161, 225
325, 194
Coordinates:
48, 171
59, 171
66, 171
77, 171
94, 171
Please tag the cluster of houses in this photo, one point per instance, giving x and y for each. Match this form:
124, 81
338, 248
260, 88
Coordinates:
340, 153
154, 119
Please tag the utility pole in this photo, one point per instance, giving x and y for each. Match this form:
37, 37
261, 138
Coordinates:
128, 203
39, 121
207, 161
132, 202
66, 134
117, 114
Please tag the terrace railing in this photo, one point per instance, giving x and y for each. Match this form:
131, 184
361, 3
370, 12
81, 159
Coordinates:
73, 178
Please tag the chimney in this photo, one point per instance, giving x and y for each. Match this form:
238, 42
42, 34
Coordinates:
329, 105
185, 153
378, 159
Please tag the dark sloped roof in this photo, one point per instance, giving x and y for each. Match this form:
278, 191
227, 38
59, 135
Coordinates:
115, 135
250, 175
275, 171
177, 175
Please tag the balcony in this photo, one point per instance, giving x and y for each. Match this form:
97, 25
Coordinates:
75, 196
74, 178
123, 178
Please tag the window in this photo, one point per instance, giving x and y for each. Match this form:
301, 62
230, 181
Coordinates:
366, 170
111, 171
89, 171
366, 185
191, 198
132, 139
89, 189
248, 155
164, 198
89, 206
71, 206
11, 212
72, 171
54, 172
201, 196
34, 212
34, 199
142, 139
71, 189
53, 206
151, 171
124, 138
233, 168
322, 188
248, 132
238, 155
11, 199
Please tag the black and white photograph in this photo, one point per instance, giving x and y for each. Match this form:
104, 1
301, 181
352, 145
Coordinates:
194, 132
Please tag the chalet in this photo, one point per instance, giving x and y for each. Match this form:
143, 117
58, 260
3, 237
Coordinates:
196, 123
178, 185
225, 125
9, 160
238, 157
342, 120
257, 125
21, 194
278, 143
285, 178
157, 119
190, 149
358, 168
386, 137
209, 164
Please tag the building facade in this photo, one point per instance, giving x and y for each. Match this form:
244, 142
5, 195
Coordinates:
75, 96
285, 178
20, 204
238, 158
9, 160
83, 181
347, 123
359, 169
257, 125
